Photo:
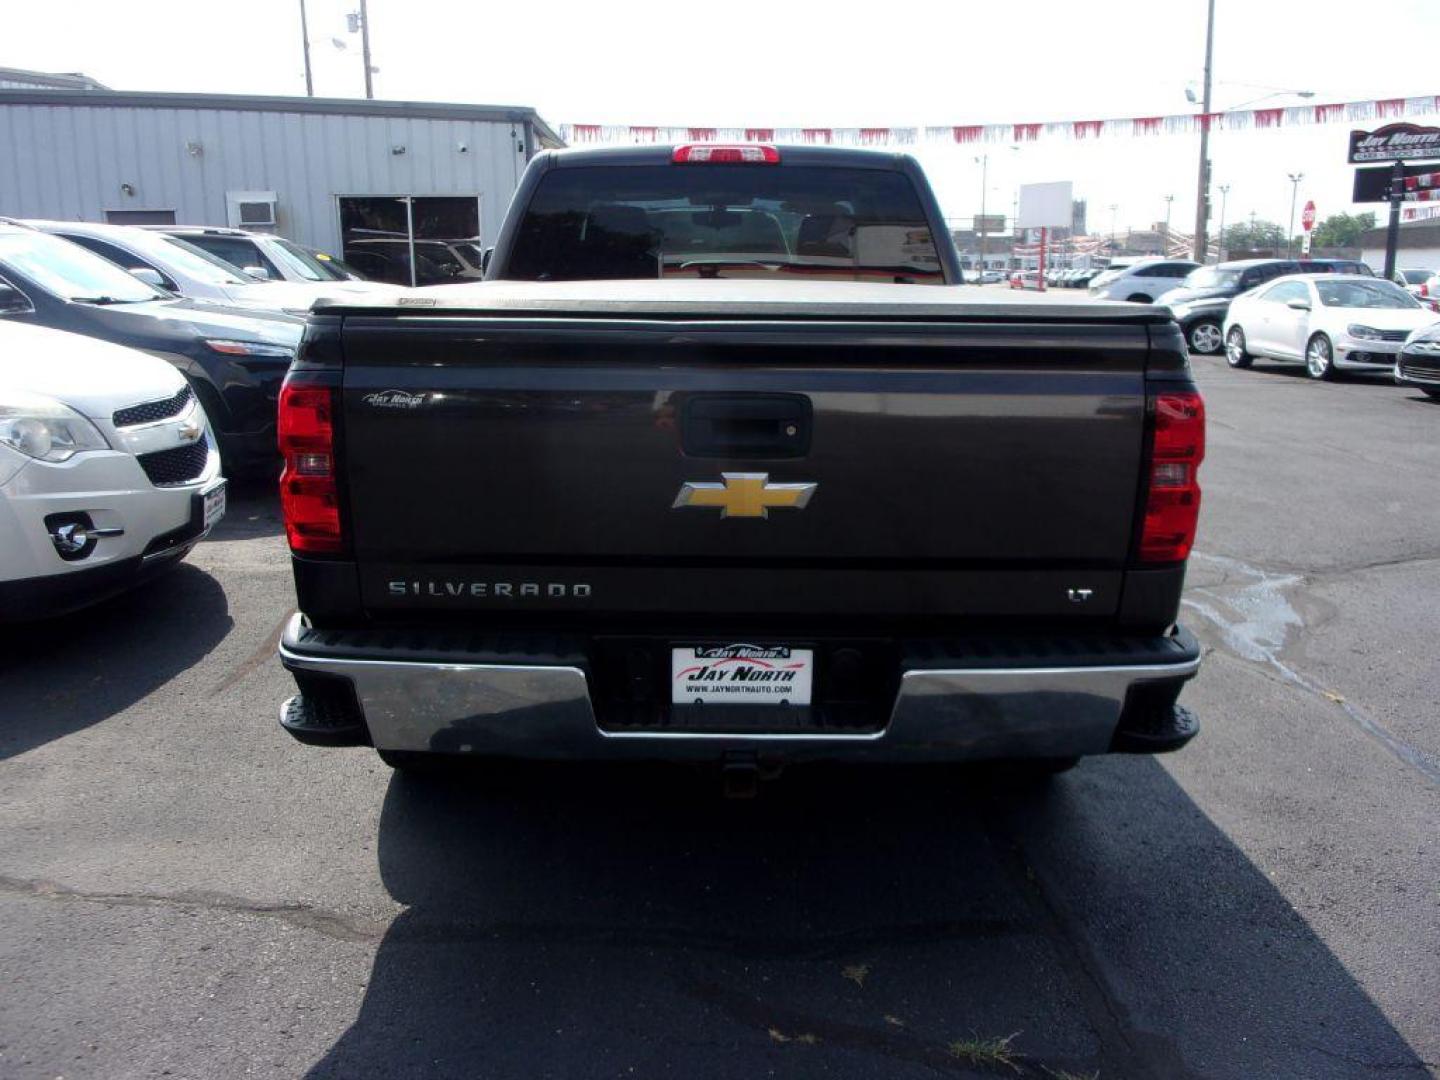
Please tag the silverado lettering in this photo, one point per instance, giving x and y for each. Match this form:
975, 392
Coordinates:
509, 589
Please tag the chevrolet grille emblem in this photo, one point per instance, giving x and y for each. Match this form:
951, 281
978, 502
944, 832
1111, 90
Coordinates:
748, 495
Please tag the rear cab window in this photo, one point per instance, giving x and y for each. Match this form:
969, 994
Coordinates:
800, 222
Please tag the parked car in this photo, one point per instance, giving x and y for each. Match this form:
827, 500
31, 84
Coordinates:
991, 277
1025, 279
335, 269
234, 359
1200, 302
1418, 363
437, 262
185, 270
1141, 282
1328, 322
108, 473
1414, 281
714, 544
273, 258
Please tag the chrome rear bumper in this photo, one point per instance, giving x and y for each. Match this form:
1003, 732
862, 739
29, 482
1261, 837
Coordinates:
544, 710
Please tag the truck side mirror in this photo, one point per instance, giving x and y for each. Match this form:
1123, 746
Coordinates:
485, 260
259, 273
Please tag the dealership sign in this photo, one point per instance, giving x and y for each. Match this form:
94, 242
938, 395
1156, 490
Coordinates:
1373, 183
1395, 142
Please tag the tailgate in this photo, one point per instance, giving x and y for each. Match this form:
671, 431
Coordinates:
817, 467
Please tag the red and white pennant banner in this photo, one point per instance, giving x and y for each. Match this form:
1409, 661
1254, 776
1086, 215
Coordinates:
1178, 124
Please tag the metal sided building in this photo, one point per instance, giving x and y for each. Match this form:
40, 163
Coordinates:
355, 177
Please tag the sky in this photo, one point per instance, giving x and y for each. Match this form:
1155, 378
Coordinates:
782, 63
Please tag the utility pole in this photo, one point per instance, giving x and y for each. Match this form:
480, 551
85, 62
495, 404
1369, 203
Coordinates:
984, 163
305, 41
1113, 208
1168, 200
1220, 235
1202, 200
365, 49
1295, 179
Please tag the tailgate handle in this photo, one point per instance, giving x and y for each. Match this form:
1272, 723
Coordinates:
746, 426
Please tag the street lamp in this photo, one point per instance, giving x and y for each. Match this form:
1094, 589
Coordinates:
1220, 235
1295, 179
1168, 200
1113, 208
1202, 198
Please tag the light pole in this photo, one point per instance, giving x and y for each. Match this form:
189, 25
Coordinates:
305, 42
1220, 235
1295, 179
1113, 208
1202, 199
984, 160
365, 47
1168, 200
360, 20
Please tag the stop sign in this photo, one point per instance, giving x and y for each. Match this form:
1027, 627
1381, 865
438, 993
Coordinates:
1307, 219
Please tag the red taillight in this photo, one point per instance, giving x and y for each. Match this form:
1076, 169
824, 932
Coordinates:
1172, 508
309, 497
708, 154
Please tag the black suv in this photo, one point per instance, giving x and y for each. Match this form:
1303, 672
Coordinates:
234, 359
1200, 302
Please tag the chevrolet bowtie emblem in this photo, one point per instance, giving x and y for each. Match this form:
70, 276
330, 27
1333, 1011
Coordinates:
744, 494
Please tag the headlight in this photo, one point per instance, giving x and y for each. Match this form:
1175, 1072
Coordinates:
1364, 333
1430, 347
250, 348
42, 428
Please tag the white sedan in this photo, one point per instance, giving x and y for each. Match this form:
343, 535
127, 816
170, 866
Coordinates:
108, 471
1328, 322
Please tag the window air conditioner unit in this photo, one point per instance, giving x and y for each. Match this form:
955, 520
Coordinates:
251, 209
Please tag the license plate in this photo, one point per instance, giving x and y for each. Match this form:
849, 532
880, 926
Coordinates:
741, 675
213, 500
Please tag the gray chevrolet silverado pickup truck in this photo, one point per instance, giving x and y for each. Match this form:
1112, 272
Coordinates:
710, 469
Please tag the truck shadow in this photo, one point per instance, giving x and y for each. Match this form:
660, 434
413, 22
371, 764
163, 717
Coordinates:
62, 675
624, 921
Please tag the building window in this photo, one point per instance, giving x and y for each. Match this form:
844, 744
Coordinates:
140, 217
376, 238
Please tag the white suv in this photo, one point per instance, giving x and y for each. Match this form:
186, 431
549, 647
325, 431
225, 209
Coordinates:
1141, 282
108, 471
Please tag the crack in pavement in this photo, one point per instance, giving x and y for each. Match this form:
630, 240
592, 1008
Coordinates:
422, 928
301, 916
1415, 1064
263, 652
1263, 620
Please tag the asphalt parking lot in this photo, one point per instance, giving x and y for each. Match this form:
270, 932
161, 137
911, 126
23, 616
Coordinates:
185, 892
